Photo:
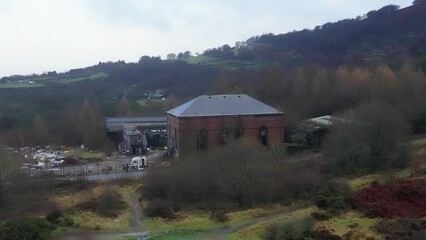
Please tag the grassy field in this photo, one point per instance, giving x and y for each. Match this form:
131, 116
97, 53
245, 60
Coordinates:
91, 77
21, 85
202, 59
227, 64
41, 82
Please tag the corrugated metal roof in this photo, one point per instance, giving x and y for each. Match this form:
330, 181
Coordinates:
324, 120
134, 119
220, 105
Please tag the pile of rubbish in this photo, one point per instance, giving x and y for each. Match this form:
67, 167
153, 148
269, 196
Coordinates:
46, 157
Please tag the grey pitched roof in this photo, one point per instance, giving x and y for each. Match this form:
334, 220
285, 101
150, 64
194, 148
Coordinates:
220, 105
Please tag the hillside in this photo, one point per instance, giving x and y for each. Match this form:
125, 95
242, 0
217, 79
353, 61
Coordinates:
382, 35
306, 73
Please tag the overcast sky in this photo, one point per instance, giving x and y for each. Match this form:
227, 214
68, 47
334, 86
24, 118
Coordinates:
46, 35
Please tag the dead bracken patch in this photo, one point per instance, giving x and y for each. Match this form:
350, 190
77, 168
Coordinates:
403, 199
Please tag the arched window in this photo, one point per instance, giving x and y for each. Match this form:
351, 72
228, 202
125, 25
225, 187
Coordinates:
263, 135
226, 135
202, 139
238, 133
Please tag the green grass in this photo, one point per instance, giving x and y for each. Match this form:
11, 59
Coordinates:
192, 221
144, 102
141, 102
78, 79
21, 85
227, 64
83, 153
200, 59
47, 80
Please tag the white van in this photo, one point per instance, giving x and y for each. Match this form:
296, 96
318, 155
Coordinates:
138, 163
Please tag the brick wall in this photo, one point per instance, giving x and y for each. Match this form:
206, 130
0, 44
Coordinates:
187, 129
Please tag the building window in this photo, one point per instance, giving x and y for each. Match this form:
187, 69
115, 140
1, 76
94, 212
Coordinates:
238, 133
202, 139
263, 135
139, 139
227, 135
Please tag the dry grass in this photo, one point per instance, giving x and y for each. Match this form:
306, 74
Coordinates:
351, 221
190, 220
256, 231
89, 220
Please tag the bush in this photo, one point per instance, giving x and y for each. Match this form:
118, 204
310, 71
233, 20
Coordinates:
295, 230
402, 228
159, 208
324, 234
332, 204
26, 229
54, 216
219, 216
403, 199
322, 202
320, 216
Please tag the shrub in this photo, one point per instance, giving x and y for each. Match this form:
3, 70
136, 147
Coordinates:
296, 230
67, 222
402, 228
26, 229
320, 216
271, 232
403, 199
331, 204
54, 216
219, 216
159, 208
321, 202
324, 234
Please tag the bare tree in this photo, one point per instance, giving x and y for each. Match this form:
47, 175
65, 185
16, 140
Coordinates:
8, 164
370, 137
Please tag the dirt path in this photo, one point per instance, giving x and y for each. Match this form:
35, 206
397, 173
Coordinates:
136, 222
222, 233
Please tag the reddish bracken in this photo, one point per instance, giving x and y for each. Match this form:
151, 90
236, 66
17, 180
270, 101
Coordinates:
403, 199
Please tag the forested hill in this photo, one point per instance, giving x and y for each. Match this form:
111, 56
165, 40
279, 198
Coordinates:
379, 35
337, 66
387, 35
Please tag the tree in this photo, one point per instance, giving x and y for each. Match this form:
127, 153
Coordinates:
40, 131
415, 2
370, 137
171, 56
8, 164
124, 109
90, 128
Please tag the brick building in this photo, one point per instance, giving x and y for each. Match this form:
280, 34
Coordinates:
207, 122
